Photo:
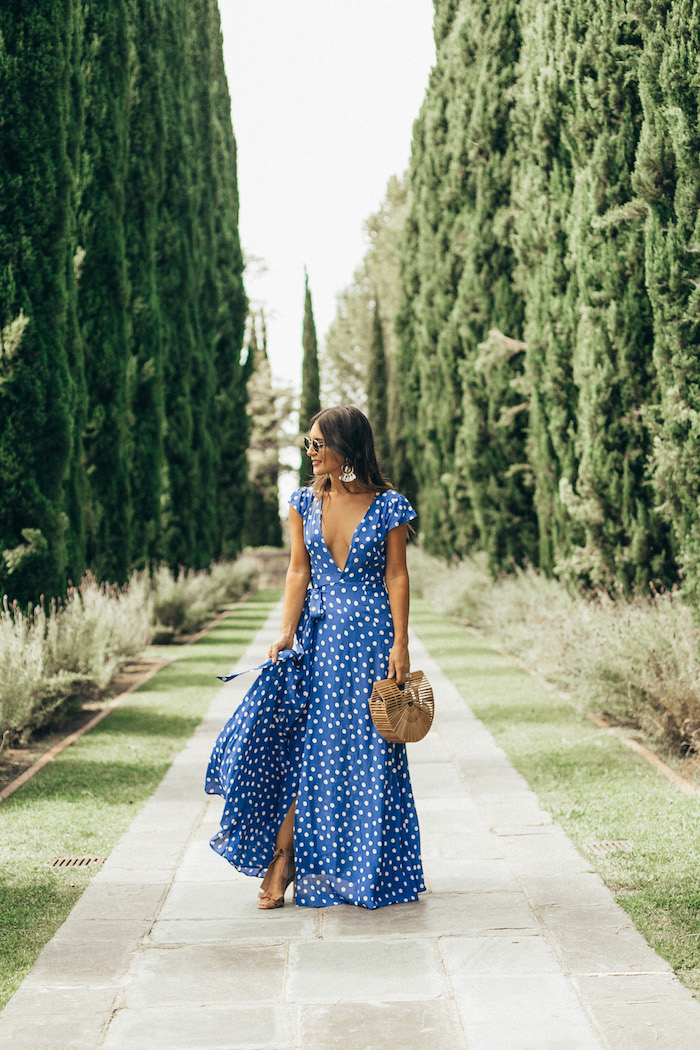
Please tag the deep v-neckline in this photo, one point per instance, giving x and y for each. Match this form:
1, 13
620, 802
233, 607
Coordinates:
352, 538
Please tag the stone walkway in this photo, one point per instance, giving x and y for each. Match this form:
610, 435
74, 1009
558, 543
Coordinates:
517, 946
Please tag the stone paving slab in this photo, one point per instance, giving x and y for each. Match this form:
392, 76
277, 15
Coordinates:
436, 915
202, 974
498, 954
423, 1025
518, 945
649, 1026
330, 971
215, 1027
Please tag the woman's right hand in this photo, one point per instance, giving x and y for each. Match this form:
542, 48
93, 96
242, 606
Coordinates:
285, 641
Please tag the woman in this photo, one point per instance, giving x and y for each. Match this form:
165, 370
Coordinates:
346, 830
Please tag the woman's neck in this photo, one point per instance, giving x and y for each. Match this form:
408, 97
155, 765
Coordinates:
339, 489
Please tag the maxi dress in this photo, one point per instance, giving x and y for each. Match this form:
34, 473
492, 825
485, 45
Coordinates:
304, 730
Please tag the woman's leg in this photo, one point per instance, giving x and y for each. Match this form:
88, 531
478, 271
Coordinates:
285, 835
285, 840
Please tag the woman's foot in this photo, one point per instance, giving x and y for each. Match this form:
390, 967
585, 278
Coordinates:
279, 874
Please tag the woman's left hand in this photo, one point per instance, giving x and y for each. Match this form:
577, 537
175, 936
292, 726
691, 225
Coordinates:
399, 663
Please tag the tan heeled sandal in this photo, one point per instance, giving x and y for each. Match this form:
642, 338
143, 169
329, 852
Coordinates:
266, 901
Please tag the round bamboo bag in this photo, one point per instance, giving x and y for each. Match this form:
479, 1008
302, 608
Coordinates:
402, 714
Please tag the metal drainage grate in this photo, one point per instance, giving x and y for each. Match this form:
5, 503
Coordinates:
77, 862
609, 847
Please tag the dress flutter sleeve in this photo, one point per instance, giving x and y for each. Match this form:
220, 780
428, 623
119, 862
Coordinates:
299, 499
399, 511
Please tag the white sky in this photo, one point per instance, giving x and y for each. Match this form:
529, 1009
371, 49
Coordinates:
323, 97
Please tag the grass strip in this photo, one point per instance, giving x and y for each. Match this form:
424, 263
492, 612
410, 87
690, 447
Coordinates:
592, 784
83, 802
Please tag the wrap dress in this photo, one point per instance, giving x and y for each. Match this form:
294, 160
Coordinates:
304, 730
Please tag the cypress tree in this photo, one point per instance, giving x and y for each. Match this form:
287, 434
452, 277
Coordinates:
178, 290
456, 274
491, 456
525, 224
490, 480
102, 291
77, 492
203, 304
143, 197
204, 41
231, 373
37, 130
667, 184
428, 393
542, 190
346, 347
377, 391
266, 409
613, 369
120, 275
310, 402
587, 313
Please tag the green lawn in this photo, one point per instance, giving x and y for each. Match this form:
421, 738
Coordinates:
597, 788
82, 803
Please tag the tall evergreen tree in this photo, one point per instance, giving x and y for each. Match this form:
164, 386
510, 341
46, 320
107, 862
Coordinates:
143, 199
37, 145
310, 402
267, 408
120, 292
430, 267
581, 271
491, 458
348, 343
457, 278
490, 479
667, 184
178, 289
613, 370
346, 346
542, 202
203, 43
230, 369
103, 290
77, 492
378, 390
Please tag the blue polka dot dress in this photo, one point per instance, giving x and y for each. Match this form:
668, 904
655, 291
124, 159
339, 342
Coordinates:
304, 730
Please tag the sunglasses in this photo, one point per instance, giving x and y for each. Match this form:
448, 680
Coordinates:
314, 443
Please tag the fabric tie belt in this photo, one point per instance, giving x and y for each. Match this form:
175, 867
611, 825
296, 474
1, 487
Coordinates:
315, 611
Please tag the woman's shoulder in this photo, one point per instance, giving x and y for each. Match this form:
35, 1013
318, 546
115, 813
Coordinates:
392, 496
397, 508
301, 499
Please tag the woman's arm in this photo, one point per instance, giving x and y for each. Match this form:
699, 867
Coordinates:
298, 576
396, 577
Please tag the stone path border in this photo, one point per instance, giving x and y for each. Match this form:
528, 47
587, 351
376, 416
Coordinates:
517, 946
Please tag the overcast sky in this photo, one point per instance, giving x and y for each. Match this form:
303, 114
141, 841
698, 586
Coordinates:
323, 97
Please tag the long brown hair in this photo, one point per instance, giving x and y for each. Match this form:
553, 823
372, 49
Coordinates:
348, 432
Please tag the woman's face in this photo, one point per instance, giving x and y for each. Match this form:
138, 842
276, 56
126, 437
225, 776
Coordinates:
325, 461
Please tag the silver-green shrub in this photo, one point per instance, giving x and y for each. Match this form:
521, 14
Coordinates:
634, 659
230, 580
181, 603
22, 666
53, 657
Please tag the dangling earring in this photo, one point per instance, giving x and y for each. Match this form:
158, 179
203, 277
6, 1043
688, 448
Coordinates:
347, 474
